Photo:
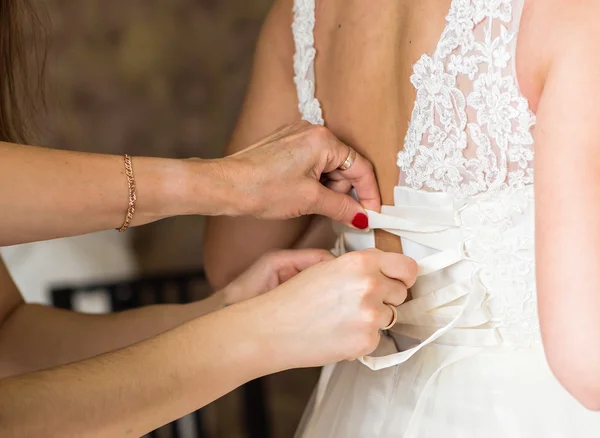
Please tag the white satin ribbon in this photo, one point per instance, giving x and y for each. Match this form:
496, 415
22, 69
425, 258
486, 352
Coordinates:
432, 220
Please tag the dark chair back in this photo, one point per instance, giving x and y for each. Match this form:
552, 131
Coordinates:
172, 288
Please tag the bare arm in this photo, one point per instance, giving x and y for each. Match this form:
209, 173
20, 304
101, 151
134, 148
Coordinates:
34, 337
47, 193
232, 244
567, 173
133, 391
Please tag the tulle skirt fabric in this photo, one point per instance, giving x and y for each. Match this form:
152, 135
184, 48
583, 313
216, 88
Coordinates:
448, 392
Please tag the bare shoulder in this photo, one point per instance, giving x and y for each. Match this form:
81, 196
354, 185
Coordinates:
552, 33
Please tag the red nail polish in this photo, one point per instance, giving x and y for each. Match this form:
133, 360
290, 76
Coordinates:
361, 221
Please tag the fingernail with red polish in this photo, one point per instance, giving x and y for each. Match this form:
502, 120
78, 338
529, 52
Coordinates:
361, 221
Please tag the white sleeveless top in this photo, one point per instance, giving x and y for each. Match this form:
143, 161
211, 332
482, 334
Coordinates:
464, 202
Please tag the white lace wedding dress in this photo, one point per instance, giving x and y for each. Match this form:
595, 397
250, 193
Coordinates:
465, 359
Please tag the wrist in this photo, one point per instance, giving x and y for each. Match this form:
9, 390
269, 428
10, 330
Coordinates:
269, 328
158, 183
250, 339
211, 188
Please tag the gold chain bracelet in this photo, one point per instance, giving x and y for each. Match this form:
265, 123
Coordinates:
132, 195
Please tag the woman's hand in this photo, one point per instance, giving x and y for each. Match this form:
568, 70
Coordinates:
291, 173
295, 172
270, 271
333, 311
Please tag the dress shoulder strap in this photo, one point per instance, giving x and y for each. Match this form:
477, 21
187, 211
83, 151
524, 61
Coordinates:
304, 61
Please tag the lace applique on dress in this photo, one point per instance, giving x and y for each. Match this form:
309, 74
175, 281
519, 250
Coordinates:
502, 245
470, 130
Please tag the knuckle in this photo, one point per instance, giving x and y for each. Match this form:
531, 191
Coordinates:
272, 257
359, 260
369, 317
368, 343
318, 133
399, 296
412, 270
370, 285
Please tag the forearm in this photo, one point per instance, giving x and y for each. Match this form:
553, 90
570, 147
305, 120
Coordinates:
52, 193
135, 390
37, 337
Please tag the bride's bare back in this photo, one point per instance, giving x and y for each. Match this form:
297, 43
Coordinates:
364, 62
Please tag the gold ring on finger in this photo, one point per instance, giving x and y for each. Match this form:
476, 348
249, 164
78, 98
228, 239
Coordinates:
394, 317
349, 160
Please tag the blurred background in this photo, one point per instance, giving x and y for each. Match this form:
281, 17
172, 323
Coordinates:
149, 77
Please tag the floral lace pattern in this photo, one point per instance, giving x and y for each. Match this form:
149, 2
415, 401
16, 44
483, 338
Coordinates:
474, 141
437, 154
502, 245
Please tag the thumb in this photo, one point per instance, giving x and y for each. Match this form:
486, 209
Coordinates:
341, 207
